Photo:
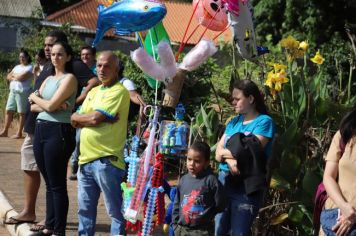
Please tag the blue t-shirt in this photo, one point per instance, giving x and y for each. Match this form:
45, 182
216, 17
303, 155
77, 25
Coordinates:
262, 125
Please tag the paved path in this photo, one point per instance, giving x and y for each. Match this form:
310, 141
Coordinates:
11, 184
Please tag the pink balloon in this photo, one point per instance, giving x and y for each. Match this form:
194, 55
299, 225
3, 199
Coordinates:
211, 14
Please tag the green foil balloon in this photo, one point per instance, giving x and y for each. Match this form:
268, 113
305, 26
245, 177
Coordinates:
153, 37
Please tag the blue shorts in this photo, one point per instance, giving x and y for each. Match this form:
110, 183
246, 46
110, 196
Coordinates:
17, 101
328, 219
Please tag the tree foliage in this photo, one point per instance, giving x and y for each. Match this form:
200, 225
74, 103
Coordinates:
315, 20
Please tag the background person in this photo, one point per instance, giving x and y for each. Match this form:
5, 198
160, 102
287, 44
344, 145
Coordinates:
88, 56
40, 61
20, 79
339, 216
252, 118
32, 178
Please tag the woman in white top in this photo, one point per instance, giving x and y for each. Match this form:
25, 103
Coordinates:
20, 79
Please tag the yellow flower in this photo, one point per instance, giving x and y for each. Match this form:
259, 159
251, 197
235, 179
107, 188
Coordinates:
303, 45
275, 81
277, 66
270, 80
293, 47
318, 59
289, 43
280, 78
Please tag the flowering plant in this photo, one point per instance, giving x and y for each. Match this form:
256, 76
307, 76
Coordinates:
304, 104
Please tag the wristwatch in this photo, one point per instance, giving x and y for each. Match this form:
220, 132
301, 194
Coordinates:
37, 93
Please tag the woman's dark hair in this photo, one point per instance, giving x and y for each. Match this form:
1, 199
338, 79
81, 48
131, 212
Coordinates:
41, 53
27, 55
203, 148
248, 87
68, 49
348, 126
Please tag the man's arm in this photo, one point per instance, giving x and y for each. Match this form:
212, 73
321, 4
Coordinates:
93, 82
91, 119
136, 98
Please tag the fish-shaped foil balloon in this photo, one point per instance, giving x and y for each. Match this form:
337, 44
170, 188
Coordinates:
128, 16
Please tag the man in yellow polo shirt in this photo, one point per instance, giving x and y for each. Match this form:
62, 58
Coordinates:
103, 118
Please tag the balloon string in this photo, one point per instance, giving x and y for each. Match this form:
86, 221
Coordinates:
181, 46
152, 46
155, 58
156, 90
191, 34
221, 32
156, 93
209, 23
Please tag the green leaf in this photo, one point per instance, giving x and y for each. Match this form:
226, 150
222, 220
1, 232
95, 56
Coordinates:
206, 121
302, 101
295, 214
310, 182
288, 136
290, 164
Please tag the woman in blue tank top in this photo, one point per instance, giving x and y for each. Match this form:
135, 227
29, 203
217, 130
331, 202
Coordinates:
54, 137
252, 118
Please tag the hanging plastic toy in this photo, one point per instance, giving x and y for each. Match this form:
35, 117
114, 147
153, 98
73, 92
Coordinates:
211, 14
156, 188
243, 31
173, 140
144, 174
153, 37
142, 15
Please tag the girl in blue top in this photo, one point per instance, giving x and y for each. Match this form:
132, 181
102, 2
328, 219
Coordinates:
252, 118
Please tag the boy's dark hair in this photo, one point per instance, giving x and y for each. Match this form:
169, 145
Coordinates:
203, 148
59, 35
91, 49
248, 87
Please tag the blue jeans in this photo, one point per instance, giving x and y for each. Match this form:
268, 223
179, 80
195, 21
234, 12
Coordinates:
241, 210
328, 219
52, 146
95, 177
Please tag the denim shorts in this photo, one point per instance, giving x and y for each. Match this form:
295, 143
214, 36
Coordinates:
328, 219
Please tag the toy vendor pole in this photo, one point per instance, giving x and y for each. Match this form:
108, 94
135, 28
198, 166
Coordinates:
174, 89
